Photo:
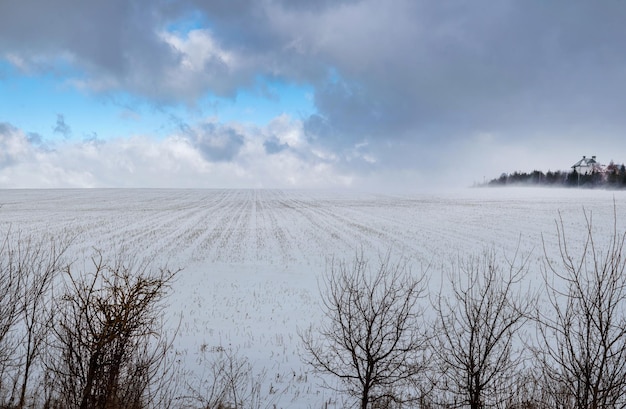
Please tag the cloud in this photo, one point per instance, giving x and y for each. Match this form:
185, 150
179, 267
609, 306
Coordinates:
14, 145
62, 127
217, 143
112, 45
435, 73
273, 145
121, 46
287, 131
205, 155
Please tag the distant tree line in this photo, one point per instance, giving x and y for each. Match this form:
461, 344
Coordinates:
613, 176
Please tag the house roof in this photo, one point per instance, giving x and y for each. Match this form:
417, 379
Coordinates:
585, 161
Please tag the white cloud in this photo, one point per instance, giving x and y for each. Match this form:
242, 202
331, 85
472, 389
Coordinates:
201, 65
17, 61
175, 161
288, 131
197, 48
14, 145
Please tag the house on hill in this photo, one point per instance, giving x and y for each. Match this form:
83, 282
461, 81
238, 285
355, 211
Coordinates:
586, 166
589, 172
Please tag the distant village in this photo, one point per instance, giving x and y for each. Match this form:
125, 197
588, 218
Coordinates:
586, 173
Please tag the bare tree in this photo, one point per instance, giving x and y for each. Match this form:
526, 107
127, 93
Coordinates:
372, 339
477, 324
582, 335
108, 335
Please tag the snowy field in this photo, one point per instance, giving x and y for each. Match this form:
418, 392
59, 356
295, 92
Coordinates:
251, 259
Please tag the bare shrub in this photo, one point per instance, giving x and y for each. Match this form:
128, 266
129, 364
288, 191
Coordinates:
108, 346
372, 339
229, 382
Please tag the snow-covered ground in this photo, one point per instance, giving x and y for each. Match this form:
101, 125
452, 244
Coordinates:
251, 259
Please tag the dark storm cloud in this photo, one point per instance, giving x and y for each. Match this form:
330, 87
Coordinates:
434, 72
432, 75
472, 66
103, 35
313, 6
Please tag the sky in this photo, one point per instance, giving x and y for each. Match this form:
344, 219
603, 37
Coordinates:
374, 95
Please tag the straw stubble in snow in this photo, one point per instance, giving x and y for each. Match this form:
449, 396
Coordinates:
252, 258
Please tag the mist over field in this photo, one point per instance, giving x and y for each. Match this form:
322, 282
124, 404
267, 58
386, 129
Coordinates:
252, 259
